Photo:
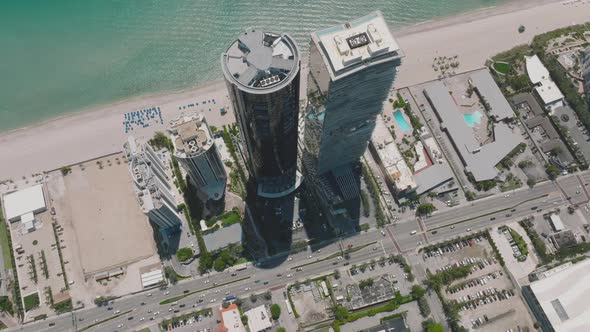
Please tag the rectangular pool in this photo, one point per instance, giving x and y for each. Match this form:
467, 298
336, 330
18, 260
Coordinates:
401, 121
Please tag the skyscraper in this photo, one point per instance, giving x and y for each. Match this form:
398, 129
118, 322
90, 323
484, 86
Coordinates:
261, 70
351, 71
153, 189
195, 150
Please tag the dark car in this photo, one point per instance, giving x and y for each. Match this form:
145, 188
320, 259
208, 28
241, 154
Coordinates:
186, 291
493, 218
51, 324
182, 305
130, 318
434, 232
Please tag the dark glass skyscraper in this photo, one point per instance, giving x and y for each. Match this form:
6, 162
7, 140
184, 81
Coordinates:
261, 70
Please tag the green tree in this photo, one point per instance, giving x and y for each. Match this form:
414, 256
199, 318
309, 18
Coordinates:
417, 291
340, 312
281, 329
552, 171
425, 209
275, 311
184, 253
171, 274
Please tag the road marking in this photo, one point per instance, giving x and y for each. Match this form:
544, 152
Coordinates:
399, 249
583, 187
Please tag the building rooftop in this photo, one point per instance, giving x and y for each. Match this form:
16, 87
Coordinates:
564, 297
486, 87
261, 61
479, 160
231, 320
391, 158
222, 237
24, 201
549, 92
258, 319
536, 70
431, 177
190, 135
357, 44
390, 325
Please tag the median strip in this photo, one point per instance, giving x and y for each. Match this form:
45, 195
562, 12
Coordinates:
105, 320
180, 297
334, 255
490, 213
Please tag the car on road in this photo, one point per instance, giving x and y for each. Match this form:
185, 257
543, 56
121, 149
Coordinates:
52, 324
120, 325
469, 229
247, 289
290, 259
493, 218
265, 283
142, 319
212, 300
508, 215
166, 293
434, 232
383, 232
149, 294
116, 312
452, 227
289, 275
413, 232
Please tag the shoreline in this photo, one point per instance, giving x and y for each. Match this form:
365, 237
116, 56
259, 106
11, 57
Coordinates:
427, 25
97, 130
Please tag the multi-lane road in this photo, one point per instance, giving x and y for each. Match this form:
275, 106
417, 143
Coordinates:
399, 237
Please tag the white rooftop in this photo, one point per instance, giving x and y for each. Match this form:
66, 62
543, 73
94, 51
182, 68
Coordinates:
536, 70
363, 40
232, 321
564, 298
258, 319
24, 201
557, 223
549, 92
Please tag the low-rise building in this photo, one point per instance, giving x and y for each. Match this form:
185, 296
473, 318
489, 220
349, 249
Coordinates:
559, 302
23, 204
231, 321
258, 319
545, 88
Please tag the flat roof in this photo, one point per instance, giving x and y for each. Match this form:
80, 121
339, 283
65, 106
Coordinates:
564, 297
432, 177
190, 135
549, 92
535, 69
222, 237
23, 201
258, 319
557, 223
487, 87
354, 45
231, 320
479, 160
260, 61
391, 158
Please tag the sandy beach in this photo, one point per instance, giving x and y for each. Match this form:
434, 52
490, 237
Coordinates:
91, 133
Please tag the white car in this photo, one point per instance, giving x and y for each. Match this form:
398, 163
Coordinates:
120, 325
413, 232
149, 294
290, 259
116, 312
247, 289
383, 232
289, 275
142, 318
166, 293
213, 300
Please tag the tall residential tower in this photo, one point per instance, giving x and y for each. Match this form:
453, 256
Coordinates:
351, 71
195, 150
261, 70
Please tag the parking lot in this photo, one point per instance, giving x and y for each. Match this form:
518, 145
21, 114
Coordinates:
486, 299
202, 321
38, 264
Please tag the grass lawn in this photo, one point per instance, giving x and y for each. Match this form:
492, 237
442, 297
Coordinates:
502, 67
230, 218
145, 329
31, 301
511, 184
4, 244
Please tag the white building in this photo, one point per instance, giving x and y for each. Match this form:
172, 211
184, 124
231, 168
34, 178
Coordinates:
22, 205
258, 319
152, 186
544, 86
559, 301
196, 151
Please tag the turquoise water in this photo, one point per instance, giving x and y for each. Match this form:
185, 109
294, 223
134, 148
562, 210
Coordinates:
472, 119
60, 56
401, 121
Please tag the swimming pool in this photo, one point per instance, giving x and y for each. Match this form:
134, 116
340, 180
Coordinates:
472, 119
401, 121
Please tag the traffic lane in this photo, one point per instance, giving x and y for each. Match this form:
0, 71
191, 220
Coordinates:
405, 238
573, 190
491, 204
449, 231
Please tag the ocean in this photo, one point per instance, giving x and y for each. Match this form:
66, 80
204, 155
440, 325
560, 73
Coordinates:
63, 56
